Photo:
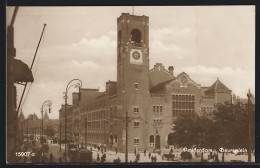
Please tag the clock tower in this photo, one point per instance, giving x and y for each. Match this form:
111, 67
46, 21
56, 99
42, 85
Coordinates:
133, 74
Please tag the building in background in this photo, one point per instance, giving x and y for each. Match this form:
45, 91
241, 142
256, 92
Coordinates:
153, 98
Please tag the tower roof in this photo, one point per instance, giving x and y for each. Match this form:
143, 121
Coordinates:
21, 116
218, 86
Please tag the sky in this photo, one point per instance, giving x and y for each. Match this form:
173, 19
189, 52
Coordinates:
206, 42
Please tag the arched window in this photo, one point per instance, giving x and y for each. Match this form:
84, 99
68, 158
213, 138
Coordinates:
119, 38
151, 139
135, 36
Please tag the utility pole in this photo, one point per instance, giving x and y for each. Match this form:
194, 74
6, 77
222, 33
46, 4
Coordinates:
85, 132
249, 126
127, 119
27, 132
126, 136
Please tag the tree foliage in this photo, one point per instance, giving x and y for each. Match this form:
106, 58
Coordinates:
226, 126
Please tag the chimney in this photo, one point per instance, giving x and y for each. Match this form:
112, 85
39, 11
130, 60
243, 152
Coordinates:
170, 69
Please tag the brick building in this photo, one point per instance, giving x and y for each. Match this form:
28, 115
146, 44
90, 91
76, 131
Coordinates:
34, 123
151, 97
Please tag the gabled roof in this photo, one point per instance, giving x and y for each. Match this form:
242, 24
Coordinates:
218, 86
160, 87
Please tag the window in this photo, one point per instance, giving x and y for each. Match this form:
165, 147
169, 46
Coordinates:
153, 108
135, 36
151, 139
182, 104
136, 109
161, 109
136, 141
119, 38
136, 86
157, 109
136, 124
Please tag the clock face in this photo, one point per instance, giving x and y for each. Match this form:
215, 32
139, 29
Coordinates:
136, 55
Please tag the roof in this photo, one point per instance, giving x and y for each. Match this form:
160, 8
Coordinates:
158, 74
218, 86
160, 87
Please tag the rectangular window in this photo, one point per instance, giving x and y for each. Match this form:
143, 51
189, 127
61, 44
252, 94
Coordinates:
136, 140
136, 109
182, 103
153, 108
161, 109
136, 124
136, 86
157, 109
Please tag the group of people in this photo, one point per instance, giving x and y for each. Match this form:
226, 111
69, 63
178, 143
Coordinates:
101, 148
103, 158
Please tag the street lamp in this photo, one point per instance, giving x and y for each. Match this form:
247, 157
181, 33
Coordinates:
77, 85
46, 103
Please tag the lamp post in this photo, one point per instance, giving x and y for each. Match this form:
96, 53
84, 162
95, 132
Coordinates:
86, 125
60, 130
46, 103
77, 85
249, 95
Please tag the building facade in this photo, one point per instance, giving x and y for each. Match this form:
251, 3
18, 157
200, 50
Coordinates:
151, 98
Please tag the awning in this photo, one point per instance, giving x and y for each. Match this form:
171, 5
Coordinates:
21, 72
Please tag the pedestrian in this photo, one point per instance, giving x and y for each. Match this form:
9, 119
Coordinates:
189, 156
60, 160
105, 155
155, 158
144, 152
151, 158
105, 148
116, 150
98, 157
24, 159
149, 155
135, 151
102, 159
171, 151
102, 150
51, 157
119, 160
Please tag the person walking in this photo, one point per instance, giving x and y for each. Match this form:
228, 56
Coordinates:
149, 155
145, 152
60, 159
171, 151
116, 150
51, 157
98, 157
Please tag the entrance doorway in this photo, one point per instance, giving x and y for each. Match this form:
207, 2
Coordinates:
171, 139
157, 142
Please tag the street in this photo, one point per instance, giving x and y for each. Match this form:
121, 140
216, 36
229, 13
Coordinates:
111, 155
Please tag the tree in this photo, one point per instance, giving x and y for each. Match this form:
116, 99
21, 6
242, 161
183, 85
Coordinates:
226, 127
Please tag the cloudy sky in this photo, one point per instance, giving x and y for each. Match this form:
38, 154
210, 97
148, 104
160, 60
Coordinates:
80, 42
